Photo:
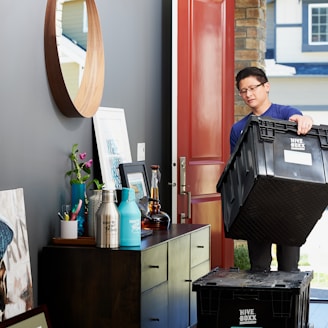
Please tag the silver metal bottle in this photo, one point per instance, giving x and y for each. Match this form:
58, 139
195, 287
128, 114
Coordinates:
108, 217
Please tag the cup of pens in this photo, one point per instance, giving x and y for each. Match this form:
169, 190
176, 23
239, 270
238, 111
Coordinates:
68, 229
68, 221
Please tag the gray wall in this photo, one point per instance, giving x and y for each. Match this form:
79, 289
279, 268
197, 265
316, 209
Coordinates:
36, 138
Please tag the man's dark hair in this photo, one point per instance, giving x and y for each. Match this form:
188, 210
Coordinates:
251, 71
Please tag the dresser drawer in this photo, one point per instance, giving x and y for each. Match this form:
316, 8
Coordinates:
154, 307
153, 267
200, 246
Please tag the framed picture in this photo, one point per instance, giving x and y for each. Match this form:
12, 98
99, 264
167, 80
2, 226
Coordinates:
134, 175
112, 143
34, 318
15, 266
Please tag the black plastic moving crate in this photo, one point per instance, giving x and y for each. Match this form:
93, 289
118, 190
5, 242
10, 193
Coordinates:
274, 186
277, 299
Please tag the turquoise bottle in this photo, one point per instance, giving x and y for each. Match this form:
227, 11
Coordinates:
130, 219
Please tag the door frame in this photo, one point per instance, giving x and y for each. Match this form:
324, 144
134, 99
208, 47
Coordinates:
174, 209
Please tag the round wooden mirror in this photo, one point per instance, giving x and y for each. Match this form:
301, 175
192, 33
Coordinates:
89, 94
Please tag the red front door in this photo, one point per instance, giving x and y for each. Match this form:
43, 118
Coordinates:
205, 109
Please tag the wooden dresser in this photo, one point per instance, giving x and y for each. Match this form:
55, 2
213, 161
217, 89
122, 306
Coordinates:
147, 286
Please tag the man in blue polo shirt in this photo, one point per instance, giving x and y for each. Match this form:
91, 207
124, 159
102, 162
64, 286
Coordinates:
254, 87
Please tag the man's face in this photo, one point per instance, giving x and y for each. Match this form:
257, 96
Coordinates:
253, 92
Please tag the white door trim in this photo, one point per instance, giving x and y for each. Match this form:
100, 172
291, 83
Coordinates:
174, 108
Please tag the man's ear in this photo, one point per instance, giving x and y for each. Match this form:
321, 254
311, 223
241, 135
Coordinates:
267, 86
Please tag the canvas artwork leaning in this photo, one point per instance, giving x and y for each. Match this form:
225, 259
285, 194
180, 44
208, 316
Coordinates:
16, 294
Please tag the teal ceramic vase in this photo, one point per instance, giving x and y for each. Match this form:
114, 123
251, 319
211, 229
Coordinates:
130, 219
79, 192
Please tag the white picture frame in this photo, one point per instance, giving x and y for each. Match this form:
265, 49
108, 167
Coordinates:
112, 143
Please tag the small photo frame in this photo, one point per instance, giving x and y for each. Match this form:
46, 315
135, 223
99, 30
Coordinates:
34, 318
134, 175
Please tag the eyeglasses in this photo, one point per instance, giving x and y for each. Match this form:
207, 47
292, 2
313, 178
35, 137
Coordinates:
243, 92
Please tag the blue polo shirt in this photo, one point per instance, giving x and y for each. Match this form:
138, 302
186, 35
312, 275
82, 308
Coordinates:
280, 112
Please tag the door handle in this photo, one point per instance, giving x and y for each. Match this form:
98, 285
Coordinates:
183, 185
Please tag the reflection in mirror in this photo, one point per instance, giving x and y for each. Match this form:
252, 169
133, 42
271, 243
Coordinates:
76, 76
72, 34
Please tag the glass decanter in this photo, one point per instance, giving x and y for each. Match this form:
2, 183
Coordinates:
156, 219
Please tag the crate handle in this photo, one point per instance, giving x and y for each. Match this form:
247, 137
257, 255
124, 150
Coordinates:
280, 285
154, 319
267, 131
248, 297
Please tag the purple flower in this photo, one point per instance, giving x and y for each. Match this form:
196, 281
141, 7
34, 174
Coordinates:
81, 171
88, 164
83, 156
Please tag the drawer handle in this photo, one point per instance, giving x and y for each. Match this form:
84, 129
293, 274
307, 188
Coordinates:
154, 319
200, 246
154, 266
188, 280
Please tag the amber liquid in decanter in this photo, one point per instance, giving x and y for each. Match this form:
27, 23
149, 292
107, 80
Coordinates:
156, 219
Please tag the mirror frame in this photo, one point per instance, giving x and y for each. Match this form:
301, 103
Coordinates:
91, 89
